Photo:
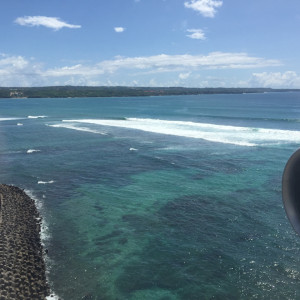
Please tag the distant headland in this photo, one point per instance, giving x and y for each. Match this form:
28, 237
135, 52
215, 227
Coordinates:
121, 91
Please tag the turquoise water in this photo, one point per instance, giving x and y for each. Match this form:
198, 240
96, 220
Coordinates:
159, 197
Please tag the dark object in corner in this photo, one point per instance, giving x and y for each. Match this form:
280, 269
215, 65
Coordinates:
291, 190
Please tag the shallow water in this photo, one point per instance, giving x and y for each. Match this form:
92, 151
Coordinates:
159, 197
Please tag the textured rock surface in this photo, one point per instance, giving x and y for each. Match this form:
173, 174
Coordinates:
22, 268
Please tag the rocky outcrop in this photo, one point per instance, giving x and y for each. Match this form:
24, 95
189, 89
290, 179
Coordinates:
22, 267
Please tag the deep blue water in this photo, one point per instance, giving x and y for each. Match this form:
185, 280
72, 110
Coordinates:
159, 197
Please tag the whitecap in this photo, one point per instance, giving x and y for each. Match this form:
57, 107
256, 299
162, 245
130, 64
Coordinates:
69, 126
133, 149
19, 124
9, 119
32, 151
46, 182
36, 117
235, 135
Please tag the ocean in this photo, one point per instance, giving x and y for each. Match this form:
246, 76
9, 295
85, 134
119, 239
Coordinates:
163, 198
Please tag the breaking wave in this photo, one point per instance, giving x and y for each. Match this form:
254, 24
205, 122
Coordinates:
36, 117
46, 182
32, 151
74, 127
236, 135
45, 238
9, 119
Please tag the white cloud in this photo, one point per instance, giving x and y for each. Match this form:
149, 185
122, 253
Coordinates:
166, 63
19, 71
76, 70
49, 22
14, 62
184, 75
288, 79
197, 34
207, 8
119, 29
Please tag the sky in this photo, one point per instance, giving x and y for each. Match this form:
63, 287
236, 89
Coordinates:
188, 43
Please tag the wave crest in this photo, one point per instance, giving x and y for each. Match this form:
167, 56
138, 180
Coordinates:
46, 182
32, 151
236, 135
36, 117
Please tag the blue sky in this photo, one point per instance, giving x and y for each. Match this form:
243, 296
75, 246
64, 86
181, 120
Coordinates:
191, 43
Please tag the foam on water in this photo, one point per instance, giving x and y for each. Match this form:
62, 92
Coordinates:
46, 182
69, 126
9, 119
236, 135
45, 237
36, 117
32, 151
53, 297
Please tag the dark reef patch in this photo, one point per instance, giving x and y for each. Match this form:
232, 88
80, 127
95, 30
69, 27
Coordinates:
183, 255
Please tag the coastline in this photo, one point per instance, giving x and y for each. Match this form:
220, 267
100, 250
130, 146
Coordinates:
123, 91
22, 266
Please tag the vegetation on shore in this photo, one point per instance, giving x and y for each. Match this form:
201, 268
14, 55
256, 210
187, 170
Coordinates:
118, 91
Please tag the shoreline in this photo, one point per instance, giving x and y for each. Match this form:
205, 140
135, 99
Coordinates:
124, 91
22, 265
